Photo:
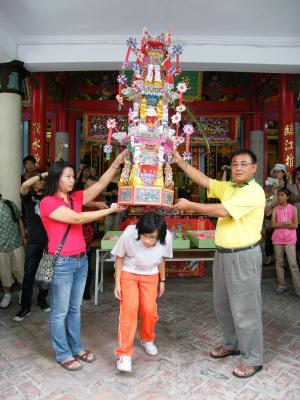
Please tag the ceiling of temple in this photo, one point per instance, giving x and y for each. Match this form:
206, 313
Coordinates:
237, 35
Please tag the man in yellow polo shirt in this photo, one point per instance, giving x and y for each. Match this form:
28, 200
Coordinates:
238, 259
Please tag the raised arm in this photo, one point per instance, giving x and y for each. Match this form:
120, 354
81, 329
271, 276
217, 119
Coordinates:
93, 191
196, 176
65, 214
29, 182
211, 210
60, 150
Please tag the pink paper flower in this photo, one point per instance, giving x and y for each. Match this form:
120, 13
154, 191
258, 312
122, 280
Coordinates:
188, 129
131, 42
122, 79
107, 148
181, 87
177, 49
111, 123
126, 65
186, 156
176, 118
181, 108
177, 142
120, 99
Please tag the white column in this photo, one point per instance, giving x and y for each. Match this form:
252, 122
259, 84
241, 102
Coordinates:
10, 146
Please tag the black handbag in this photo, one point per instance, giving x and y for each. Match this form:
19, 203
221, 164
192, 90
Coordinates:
44, 272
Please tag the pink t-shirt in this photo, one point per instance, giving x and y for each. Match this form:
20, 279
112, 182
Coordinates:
74, 243
283, 235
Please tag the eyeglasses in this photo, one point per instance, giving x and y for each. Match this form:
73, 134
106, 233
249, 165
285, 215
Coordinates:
149, 237
242, 164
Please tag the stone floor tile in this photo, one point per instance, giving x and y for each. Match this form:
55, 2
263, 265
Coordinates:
183, 369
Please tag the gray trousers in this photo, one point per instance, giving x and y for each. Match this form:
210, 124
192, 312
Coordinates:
237, 302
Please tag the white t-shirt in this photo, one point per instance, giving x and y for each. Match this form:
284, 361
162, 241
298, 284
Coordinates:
139, 259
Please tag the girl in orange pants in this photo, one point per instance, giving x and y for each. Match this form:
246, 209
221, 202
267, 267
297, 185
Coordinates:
139, 278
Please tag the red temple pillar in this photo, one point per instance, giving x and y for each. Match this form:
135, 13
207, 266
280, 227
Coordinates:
247, 129
257, 121
287, 140
37, 141
72, 138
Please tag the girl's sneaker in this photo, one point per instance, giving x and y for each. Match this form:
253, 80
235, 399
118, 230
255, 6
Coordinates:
6, 300
150, 347
281, 290
124, 363
297, 293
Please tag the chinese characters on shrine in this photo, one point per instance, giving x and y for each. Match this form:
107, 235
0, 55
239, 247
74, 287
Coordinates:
289, 148
36, 142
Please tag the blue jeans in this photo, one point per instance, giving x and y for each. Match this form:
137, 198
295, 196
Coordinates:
68, 282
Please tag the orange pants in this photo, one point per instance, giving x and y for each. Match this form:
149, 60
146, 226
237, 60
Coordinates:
136, 291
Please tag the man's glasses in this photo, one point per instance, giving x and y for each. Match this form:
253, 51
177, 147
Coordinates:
241, 164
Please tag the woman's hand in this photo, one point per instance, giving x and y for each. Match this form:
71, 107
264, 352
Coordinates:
161, 288
101, 205
177, 157
115, 208
120, 158
117, 290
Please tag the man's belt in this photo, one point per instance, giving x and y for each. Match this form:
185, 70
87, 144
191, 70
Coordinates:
236, 250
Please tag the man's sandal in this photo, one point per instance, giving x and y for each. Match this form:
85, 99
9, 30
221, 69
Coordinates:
221, 352
87, 356
71, 365
246, 371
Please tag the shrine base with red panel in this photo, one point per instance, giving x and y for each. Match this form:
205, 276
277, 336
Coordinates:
150, 196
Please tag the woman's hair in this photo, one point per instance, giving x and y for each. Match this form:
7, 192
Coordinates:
294, 174
54, 174
286, 191
151, 222
285, 180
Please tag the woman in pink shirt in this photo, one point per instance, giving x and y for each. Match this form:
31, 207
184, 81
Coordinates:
284, 238
70, 271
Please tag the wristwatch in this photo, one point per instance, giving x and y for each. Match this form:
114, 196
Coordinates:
40, 175
163, 281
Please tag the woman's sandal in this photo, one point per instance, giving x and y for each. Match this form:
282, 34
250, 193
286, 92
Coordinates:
67, 365
86, 356
246, 371
221, 352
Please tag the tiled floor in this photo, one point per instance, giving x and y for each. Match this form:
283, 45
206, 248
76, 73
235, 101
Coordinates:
186, 331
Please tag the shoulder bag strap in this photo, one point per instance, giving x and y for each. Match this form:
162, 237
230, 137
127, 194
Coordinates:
57, 253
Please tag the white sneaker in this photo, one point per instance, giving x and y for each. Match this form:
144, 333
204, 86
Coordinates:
150, 347
6, 301
124, 363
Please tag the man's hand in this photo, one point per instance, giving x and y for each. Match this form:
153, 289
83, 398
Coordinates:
183, 204
117, 290
60, 145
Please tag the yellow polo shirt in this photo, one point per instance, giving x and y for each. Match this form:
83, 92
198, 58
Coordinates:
245, 205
